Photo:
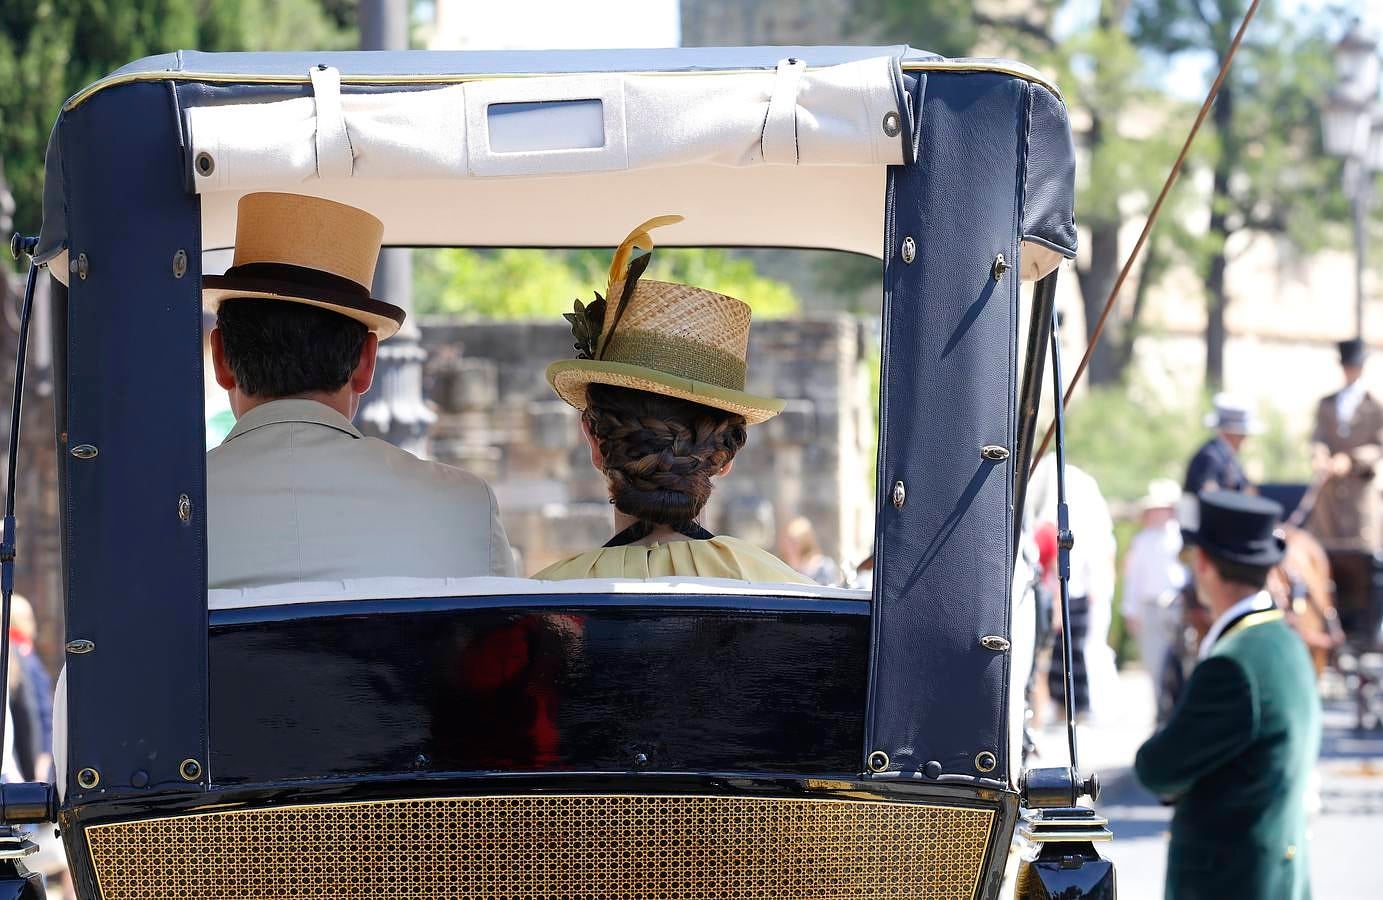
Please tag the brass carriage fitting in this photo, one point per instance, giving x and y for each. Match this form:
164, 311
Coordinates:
900, 495
180, 264
985, 761
878, 761
893, 124
85, 451
190, 769
88, 778
184, 508
79, 646
909, 249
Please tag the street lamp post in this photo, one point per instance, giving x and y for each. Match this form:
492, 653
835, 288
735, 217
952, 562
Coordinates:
1353, 131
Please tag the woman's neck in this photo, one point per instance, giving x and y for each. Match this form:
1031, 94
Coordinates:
661, 534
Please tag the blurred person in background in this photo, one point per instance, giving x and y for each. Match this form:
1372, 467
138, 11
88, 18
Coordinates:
1093, 578
23, 630
1237, 755
800, 549
1153, 575
1215, 466
1346, 447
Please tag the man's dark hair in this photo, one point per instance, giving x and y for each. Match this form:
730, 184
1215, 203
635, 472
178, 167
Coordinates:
278, 349
1238, 573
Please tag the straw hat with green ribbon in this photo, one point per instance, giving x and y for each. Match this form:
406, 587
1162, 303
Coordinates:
671, 339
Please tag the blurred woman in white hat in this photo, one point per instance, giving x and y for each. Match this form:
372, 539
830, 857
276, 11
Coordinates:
1153, 574
659, 381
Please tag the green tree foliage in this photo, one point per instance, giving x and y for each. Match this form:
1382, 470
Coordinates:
540, 284
1269, 172
50, 49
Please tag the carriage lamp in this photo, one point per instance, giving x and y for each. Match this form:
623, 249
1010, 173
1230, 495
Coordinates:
1352, 130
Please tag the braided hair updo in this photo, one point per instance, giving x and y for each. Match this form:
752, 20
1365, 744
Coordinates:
660, 452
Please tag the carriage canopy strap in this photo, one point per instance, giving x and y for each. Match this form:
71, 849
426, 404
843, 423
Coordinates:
333, 144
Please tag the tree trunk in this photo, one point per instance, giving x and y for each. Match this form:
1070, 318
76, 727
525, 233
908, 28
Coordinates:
1223, 119
1096, 280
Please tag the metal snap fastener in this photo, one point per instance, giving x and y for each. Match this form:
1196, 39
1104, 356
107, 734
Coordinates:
1000, 266
184, 508
190, 770
79, 646
88, 778
892, 124
180, 264
994, 642
85, 451
139, 779
909, 249
204, 163
986, 761
878, 761
900, 495
932, 769
994, 453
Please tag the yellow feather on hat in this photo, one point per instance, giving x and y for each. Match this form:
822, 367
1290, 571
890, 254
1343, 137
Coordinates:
638, 239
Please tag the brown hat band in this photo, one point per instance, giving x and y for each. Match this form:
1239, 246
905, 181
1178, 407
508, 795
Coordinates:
676, 356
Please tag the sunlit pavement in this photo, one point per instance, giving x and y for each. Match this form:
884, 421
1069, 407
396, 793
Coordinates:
1346, 833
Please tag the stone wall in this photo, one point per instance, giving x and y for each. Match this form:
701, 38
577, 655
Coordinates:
498, 418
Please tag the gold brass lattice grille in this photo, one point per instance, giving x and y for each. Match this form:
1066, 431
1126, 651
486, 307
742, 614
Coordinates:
549, 847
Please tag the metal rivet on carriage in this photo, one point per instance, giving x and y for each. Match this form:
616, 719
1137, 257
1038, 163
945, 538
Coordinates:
878, 761
79, 646
994, 642
180, 264
900, 494
909, 249
139, 779
994, 453
184, 508
85, 451
82, 266
88, 778
932, 769
190, 770
892, 124
985, 761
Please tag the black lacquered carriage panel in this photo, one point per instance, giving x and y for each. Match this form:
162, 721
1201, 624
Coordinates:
387, 687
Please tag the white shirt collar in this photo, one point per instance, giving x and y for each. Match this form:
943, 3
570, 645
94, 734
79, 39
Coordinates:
1251, 604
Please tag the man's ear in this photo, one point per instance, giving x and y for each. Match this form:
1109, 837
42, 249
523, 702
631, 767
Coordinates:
597, 458
225, 375
726, 469
364, 374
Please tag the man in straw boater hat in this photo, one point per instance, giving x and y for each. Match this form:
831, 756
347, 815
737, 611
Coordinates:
1237, 753
296, 492
1346, 447
660, 382
1215, 467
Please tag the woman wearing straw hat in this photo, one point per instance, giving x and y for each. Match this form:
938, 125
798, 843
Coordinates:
659, 380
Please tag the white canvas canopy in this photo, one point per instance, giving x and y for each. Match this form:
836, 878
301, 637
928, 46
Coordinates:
790, 156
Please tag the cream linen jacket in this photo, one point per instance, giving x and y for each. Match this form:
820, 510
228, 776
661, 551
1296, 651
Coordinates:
297, 493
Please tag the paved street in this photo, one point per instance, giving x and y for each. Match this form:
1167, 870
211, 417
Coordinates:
1346, 834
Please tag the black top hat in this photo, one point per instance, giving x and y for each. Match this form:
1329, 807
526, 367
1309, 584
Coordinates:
1352, 352
1240, 528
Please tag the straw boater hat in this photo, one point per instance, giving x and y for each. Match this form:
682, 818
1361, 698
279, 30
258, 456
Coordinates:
670, 339
306, 250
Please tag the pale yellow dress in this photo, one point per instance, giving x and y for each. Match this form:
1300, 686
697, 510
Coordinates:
717, 557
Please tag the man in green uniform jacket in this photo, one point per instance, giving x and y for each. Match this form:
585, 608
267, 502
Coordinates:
1239, 748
